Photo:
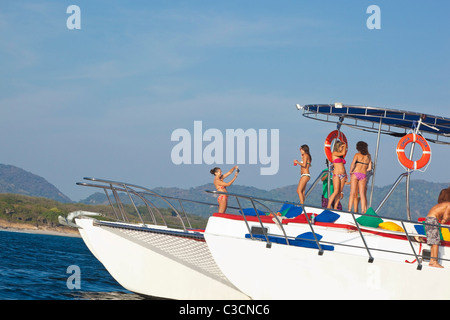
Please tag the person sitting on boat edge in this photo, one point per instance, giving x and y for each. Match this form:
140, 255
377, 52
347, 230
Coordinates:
305, 176
339, 173
221, 185
440, 213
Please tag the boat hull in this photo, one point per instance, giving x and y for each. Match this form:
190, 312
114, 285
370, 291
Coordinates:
280, 271
157, 262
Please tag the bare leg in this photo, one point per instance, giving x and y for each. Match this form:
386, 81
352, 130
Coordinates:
362, 186
302, 187
434, 256
351, 199
355, 202
341, 184
336, 192
222, 205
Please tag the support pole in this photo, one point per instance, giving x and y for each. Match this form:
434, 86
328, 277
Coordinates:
416, 131
375, 164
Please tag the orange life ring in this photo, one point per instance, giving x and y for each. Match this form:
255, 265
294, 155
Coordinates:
426, 151
328, 141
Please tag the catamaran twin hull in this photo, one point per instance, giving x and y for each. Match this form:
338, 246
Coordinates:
157, 261
384, 267
242, 259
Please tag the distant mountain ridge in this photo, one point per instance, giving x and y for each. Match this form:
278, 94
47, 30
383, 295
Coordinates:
18, 181
423, 194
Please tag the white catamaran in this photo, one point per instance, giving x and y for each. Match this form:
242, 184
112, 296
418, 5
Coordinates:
150, 257
329, 254
252, 252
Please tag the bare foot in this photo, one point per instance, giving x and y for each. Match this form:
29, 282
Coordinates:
436, 265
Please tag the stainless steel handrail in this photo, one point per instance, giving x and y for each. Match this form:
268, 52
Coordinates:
252, 199
143, 193
131, 189
318, 243
125, 185
119, 202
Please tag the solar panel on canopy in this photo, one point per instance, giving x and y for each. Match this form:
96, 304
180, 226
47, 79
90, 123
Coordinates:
393, 122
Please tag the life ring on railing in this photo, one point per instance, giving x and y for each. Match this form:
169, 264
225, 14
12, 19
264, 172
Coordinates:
328, 141
423, 143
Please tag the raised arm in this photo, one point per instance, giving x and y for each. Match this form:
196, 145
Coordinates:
230, 172
341, 152
221, 183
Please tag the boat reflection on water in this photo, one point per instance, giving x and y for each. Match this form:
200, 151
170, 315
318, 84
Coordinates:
116, 295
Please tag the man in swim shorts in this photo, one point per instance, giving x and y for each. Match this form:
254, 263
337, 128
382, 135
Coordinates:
440, 213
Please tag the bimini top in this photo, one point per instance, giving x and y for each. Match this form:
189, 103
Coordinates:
393, 122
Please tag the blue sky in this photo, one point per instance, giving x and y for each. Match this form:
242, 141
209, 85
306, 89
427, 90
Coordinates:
104, 100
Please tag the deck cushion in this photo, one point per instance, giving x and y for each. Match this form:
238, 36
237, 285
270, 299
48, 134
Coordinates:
307, 240
371, 219
308, 236
286, 206
294, 212
251, 212
327, 216
392, 226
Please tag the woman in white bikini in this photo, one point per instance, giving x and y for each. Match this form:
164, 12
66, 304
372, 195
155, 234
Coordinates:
361, 163
222, 185
339, 173
304, 171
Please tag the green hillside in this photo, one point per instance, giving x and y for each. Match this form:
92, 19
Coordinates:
43, 212
26, 198
18, 181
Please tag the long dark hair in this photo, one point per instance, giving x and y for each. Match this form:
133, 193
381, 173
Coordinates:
361, 146
306, 149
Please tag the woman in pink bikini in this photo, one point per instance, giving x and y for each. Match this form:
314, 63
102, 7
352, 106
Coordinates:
221, 185
362, 162
339, 173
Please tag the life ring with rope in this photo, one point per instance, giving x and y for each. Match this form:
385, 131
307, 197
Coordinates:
423, 143
336, 134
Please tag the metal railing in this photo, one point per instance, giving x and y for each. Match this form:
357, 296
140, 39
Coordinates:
258, 200
149, 199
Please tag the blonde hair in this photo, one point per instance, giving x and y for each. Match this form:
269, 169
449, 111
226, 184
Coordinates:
337, 145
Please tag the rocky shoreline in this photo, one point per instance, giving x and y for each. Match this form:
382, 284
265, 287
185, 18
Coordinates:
28, 228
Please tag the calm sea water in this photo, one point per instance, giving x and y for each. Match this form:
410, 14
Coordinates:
35, 267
